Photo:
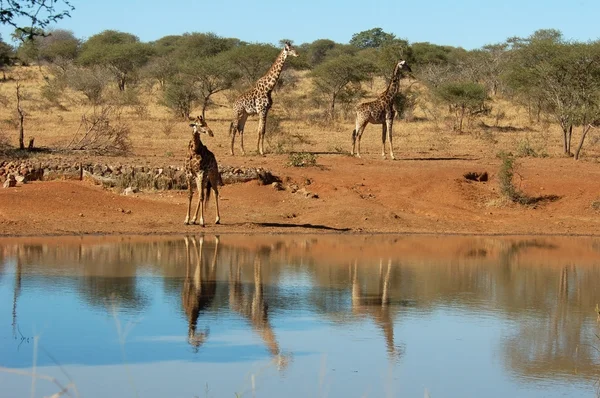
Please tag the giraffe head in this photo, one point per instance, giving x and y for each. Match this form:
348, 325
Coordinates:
289, 49
199, 125
402, 65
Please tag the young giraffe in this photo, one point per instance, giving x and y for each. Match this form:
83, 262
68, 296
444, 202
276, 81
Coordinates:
381, 111
257, 101
201, 165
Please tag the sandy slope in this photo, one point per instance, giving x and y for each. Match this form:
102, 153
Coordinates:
410, 195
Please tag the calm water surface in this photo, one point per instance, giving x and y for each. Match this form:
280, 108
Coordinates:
300, 316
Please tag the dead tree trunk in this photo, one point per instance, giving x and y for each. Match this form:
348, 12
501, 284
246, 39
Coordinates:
21, 117
586, 129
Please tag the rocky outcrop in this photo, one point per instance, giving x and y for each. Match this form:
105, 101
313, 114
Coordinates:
123, 176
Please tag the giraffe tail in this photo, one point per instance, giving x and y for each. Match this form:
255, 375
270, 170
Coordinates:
230, 129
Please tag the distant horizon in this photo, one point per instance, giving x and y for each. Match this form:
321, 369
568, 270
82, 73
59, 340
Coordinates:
463, 24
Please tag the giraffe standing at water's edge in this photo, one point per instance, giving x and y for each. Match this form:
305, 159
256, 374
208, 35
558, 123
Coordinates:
381, 111
201, 165
257, 101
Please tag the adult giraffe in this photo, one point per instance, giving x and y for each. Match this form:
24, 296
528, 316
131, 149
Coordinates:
257, 101
381, 111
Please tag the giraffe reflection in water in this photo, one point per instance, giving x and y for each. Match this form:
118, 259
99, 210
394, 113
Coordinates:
376, 305
198, 289
255, 309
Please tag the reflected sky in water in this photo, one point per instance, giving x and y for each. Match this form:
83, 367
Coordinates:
300, 316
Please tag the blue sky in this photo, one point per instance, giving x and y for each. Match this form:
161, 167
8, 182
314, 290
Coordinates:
462, 23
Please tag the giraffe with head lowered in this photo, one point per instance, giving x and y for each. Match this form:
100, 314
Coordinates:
201, 165
380, 111
257, 101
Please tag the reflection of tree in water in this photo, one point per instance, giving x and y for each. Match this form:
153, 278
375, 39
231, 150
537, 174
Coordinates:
549, 301
99, 291
562, 340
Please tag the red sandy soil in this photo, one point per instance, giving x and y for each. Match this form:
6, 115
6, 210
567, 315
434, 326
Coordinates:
370, 195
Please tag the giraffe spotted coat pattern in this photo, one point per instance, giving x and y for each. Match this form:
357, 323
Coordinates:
381, 111
201, 165
257, 101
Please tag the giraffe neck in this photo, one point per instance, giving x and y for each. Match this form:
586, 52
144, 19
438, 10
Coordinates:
270, 79
197, 146
389, 94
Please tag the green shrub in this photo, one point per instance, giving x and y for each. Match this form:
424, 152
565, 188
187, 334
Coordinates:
302, 159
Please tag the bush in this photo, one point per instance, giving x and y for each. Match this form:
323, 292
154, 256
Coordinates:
89, 81
180, 97
102, 132
302, 159
505, 179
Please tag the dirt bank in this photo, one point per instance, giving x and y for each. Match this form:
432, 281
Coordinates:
342, 194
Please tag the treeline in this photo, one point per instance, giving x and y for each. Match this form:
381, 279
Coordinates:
549, 75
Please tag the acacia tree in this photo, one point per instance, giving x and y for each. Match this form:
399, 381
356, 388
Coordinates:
333, 78
58, 46
122, 53
211, 75
372, 38
252, 60
463, 99
562, 77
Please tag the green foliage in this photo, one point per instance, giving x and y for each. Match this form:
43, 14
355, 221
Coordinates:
252, 60
160, 68
339, 76
317, 51
122, 53
91, 81
6, 54
385, 57
210, 75
562, 79
372, 38
505, 178
427, 53
58, 45
524, 149
201, 45
463, 98
302, 159
28, 50
180, 97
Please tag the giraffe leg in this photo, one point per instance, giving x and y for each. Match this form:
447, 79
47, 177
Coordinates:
390, 124
232, 131
359, 134
216, 191
383, 137
262, 125
205, 189
201, 197
238, 127
190, 195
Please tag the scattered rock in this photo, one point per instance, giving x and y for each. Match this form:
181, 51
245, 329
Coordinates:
277, 186
307, 194
130, 191
10, 182
476, 176
21, 179
80, 214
